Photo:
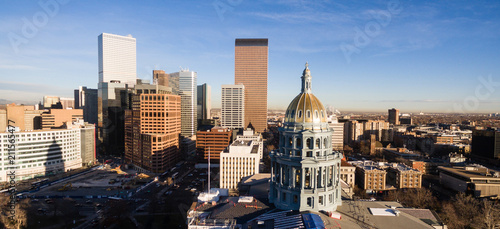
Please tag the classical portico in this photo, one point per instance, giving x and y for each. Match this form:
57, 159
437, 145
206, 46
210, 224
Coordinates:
305, 172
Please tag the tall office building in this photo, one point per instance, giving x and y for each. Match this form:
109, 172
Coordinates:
160, 77
188, 92
204, 102
250, 69
86, 99
152, 128
337, 133
48, 101
117, 58
393, 116
233, 106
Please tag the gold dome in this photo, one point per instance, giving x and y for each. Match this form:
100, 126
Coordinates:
305, 107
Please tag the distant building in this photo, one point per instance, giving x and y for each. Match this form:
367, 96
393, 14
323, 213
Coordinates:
374, 127
393, 116
486, 144
203, 101
337, 133
402, 176
472, 179
26, 118
233, 106
239, 160
67, 103
160, 78
188, 92
250, 69
117, 59
86, 99
57, 118
214, 140
48, 101
427, 166
47, 152
406, 120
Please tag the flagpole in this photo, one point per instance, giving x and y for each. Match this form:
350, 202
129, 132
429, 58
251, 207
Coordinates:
209, 169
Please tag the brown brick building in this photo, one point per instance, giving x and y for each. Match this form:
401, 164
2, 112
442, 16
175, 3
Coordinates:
217, 139
402, 176
250, 69
152, 131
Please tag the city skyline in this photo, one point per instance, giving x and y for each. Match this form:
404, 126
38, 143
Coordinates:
417, 56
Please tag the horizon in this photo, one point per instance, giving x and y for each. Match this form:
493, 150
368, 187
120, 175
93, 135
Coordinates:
364, 57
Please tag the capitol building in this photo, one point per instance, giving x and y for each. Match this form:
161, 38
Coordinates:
305, 171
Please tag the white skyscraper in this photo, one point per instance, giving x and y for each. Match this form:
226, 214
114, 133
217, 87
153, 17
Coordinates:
117, 58
188, 93
233, 106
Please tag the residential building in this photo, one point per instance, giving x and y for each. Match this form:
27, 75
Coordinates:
393, 116
86, 99
239, 160
188, 92
214, 141
250, 69
233, 106
305, 171
203, 101
402, 176
152, 129
374, 127
117, 59
347, 173
370, 177
58, 118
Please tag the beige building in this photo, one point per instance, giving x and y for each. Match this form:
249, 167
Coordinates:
473, 179
239, 160
250, 69
24, 117
347, 173
402, 176
56, 118
369, 176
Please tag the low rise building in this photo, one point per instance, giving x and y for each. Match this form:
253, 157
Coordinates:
477, 180
347, 173
402, 176
369, 176
240, 159
45, 152
212, 141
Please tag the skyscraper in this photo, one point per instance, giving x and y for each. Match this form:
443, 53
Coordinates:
250, 69
152, 128
117, 58
86, 99
204, 101
188, 92
393, 116
233, 106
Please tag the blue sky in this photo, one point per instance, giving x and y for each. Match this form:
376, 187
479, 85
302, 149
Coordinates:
416, 55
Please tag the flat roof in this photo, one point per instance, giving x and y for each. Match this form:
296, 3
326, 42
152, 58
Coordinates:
471, 172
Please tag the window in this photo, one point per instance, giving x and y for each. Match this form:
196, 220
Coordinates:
290, 141
317, 143
309, 143
309, 201
300, 114
320, 200
299, 142
308, 114
309, 153
295, 199
283, 197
